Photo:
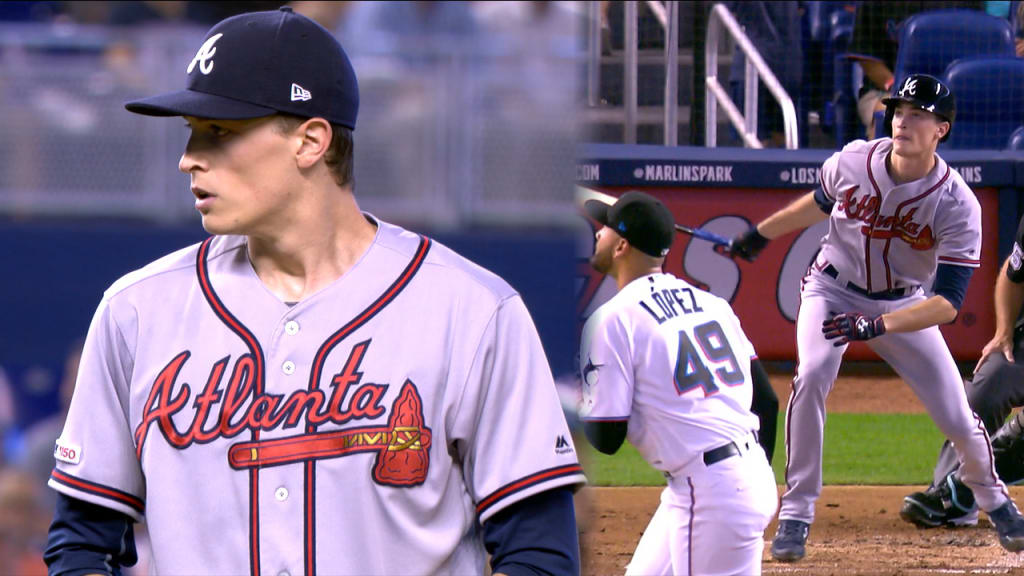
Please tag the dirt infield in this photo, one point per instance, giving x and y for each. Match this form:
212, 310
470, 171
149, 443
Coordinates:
858, 530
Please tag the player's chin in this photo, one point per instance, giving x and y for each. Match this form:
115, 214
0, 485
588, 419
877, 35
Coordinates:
216, 226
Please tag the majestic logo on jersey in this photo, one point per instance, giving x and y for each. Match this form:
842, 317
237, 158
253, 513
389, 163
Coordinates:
204, 57
224, 412
562, 446
881, 227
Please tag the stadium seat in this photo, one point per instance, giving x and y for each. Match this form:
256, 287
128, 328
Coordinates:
1016, 139
930, 41
841, 110
989, 101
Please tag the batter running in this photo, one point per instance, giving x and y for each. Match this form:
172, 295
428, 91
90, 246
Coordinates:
897, 215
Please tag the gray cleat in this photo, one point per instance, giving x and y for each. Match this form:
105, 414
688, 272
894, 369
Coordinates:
1009, 525
790, 540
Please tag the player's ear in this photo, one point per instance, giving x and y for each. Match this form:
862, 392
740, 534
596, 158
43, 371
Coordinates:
621, 247
314, 139
943, 129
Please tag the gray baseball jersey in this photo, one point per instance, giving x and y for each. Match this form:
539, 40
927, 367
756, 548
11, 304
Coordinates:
883, 236
368, 429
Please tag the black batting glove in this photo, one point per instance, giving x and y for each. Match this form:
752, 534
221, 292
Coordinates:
853, 326
747, 245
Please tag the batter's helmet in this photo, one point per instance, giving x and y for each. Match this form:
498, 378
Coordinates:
924, 92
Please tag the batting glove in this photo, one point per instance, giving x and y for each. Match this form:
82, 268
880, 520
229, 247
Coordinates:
747, 245
852, 326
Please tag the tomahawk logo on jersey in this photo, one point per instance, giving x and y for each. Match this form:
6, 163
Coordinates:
323, 413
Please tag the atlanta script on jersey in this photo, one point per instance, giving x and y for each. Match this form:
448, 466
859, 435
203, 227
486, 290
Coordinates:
882, 236
364, 430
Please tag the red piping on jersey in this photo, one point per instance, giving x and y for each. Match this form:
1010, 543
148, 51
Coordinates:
959, 260
134, 502
524, 483
896, 218
314, 383
203, 273
871, 227
992, 476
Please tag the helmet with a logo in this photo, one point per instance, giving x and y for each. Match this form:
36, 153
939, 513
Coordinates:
924, 92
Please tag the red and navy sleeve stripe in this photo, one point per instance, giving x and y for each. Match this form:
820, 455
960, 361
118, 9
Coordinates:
106, 492
968, 261
525, 483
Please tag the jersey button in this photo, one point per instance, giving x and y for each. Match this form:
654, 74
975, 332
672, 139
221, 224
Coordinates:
281, 494
288, 367
291, 328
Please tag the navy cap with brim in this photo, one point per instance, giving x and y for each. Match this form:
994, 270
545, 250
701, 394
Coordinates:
198, 104
257, 64
597, 210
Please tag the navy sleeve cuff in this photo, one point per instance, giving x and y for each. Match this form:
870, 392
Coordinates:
535, 536
88, 539
606, 436
824, 202
951, 283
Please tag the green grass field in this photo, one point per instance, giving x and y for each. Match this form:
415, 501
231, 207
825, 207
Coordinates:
859, 449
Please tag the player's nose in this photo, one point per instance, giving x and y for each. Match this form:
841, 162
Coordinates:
189, 159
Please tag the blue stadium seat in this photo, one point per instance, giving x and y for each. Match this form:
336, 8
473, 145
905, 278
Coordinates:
989, 101
841, 110
930, 41
1016, 139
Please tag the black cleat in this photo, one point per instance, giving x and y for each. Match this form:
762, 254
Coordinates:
951, 503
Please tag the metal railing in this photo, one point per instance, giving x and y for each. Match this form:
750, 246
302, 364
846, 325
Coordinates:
746, 123
667, 14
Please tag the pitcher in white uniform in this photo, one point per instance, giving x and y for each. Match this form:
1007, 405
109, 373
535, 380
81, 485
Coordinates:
897, 216
667, 366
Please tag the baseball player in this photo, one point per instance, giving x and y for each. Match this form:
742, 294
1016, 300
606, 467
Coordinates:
311, 390
897, 216
667, 365
996, 388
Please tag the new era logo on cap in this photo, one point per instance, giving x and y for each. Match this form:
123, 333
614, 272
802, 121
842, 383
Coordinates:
300, 93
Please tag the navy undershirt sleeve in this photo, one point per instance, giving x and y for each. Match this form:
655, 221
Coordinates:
88, 539
824, 202
606, 436
535, 536
951, 283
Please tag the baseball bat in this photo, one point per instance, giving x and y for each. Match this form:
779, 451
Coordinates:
584, 194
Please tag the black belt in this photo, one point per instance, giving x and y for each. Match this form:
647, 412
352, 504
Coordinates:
721, 453
894, 294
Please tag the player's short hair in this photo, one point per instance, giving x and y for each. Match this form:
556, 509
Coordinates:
340, 152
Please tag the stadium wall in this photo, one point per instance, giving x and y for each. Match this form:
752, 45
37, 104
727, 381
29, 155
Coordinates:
726, 189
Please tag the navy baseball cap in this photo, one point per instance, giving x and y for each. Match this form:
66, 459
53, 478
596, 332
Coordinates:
261, 63
639, 218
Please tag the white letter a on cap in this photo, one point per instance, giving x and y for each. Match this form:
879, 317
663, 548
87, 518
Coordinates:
205, 56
